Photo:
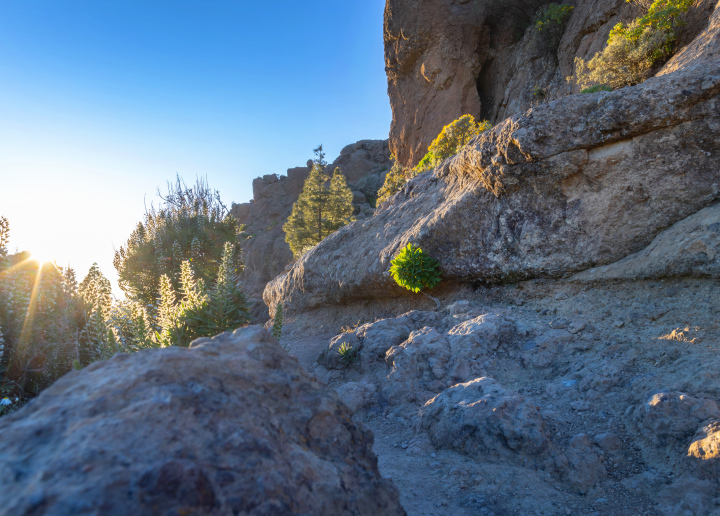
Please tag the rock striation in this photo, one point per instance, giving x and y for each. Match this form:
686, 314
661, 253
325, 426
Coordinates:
266, 252
232, 425
579, 182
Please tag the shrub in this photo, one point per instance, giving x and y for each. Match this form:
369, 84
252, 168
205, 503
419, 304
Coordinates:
451, 140
596, 88
277, 323
634, 51
394, 181
549, 23
415, 270
201, 312
190, 224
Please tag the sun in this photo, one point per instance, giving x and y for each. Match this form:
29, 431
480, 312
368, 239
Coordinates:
41, 257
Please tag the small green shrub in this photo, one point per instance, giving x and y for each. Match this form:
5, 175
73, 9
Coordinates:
415, 270
394, 181
451, 140
549, 22
636, 50
277, 323
348, 354
596, 88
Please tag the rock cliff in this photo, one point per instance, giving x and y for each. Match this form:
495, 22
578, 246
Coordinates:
232, 425
576, 183
447, 58
266, 253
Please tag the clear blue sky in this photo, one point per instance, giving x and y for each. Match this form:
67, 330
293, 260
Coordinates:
102, 101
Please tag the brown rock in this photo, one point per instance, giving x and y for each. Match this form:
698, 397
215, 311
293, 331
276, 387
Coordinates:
231, 426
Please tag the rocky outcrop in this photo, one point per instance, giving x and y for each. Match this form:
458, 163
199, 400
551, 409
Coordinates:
448, 58
231, 426
576, 183
266, 253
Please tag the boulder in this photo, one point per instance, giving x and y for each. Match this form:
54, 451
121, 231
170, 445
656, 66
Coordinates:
232, 425
419, 366
483, 420
356, 395
331, 358
586, 469
576, 183
703, 456
667, 417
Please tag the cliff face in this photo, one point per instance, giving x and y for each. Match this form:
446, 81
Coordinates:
583, 181
266, 252
447, 58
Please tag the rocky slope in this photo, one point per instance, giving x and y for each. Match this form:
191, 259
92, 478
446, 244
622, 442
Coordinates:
231, 426
364, 164
576, 183
447, 58
545, 397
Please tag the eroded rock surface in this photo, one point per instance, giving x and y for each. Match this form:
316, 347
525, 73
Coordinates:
583, 181
231, 426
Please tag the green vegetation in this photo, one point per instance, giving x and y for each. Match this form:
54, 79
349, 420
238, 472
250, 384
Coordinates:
394, 181
190, 224
549, 23
415, 270
50, 325
320, 210
201, 312
278, 321
449, 142
596, 88
348, 354
636, 50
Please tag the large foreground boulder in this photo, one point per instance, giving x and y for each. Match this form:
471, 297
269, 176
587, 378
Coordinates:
231, 426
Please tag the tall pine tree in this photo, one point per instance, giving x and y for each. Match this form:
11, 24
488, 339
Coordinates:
320, 209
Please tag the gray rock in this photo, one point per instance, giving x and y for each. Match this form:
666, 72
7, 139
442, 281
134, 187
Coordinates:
608, 442
667, 417
232, 425
586, 469
480, 418
331, 357
546, 193
359, 198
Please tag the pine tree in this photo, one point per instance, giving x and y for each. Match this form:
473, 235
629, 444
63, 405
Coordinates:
340, 207
96, 290
4, 235
319, 210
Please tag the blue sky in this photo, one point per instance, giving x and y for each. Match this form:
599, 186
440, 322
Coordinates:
101, 102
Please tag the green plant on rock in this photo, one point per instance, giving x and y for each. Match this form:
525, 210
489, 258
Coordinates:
451, 140
347, 353
549, 23
415, 270
278, 321
636, 50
